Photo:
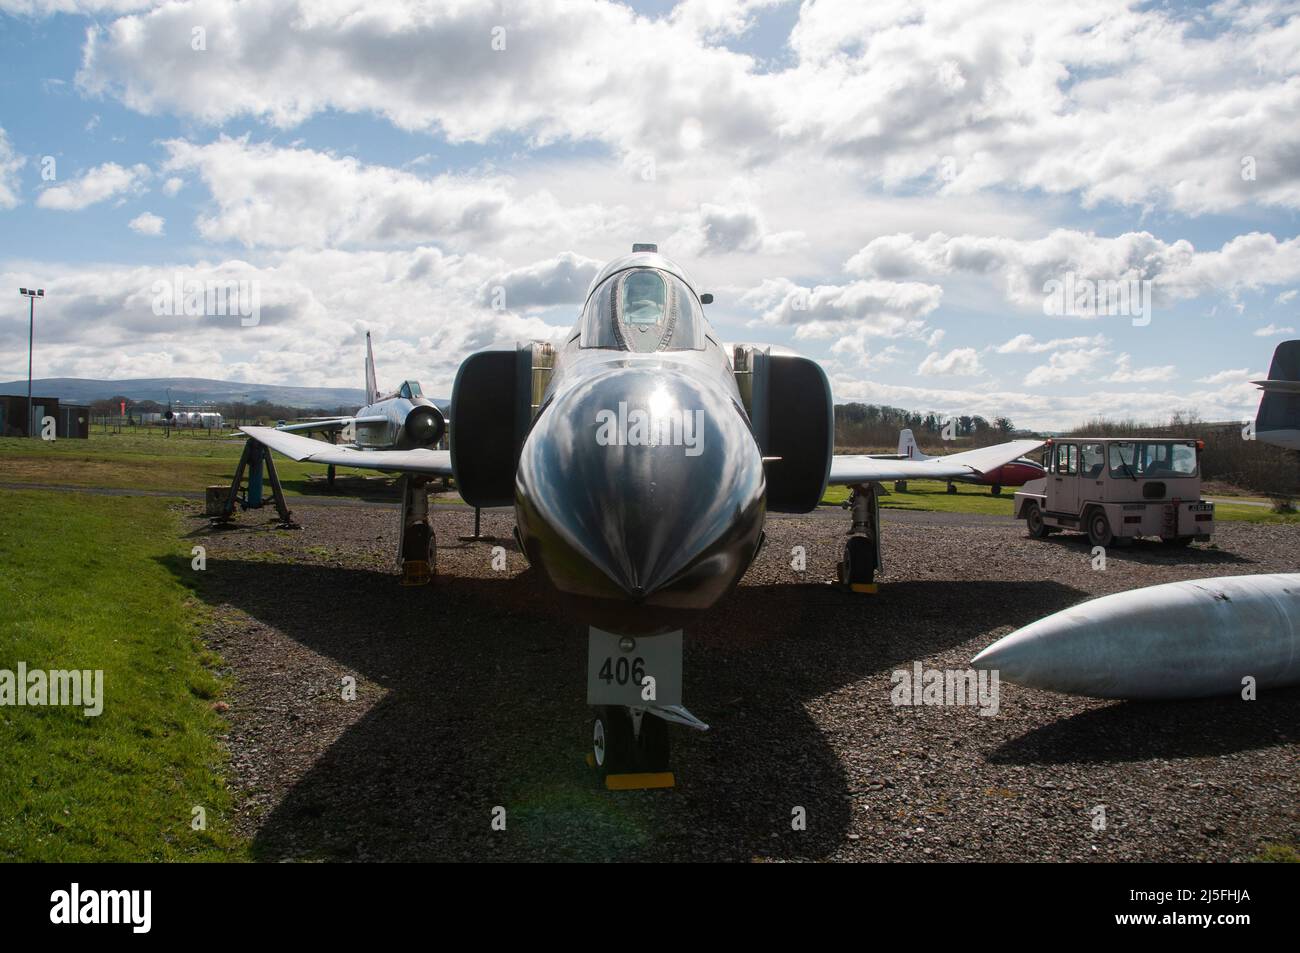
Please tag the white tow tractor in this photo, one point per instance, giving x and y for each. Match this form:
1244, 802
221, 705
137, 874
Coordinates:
1116, 489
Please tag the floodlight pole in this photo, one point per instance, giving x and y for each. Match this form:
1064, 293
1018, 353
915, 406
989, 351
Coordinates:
31, 294
31, 334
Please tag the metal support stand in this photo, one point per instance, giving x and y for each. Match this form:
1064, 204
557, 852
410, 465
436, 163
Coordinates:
417, 548
476, 536
255, 482
254, 457
329, 477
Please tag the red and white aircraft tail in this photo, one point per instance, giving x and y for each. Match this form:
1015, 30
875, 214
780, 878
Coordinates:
907, 447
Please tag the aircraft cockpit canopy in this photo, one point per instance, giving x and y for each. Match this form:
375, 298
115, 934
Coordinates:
409, 390
643, 310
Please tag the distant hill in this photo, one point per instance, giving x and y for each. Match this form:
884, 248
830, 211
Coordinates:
186, 390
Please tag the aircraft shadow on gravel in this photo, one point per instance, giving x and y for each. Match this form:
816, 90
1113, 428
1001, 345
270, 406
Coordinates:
1138, 731
368, 489
1152, 552
486, 707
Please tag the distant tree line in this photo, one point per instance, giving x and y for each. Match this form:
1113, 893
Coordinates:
876, 426
262, 411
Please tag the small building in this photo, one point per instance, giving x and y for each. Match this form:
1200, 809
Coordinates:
73, 421
70, 420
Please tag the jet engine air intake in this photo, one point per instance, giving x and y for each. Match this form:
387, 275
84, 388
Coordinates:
494, 406
424, 427
792, 416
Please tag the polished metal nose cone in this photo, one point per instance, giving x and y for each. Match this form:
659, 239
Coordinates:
642, 483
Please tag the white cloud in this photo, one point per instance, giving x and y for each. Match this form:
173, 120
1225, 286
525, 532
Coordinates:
1027, 344
147, 223
560, 280
858, 350
95, 185
1126, 373
1272, 330
885, 308
172, 186
285, 197
1236, 374
1053, 408
10, 163
1286, 297
568, 71
1065, 365
315, 307
959, 362
44, 8
724, 229
718, 18
1175, 269
959, 97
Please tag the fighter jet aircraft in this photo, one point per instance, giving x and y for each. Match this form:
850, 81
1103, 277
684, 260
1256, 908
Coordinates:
1278, 419
641, 461
402, 420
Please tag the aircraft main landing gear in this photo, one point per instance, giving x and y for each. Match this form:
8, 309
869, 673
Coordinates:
857, 570
417, 548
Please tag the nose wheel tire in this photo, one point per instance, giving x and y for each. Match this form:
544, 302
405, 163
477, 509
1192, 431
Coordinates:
616, 749
653, 746
997, 489
951, 488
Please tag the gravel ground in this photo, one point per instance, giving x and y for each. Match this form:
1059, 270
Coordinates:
470, 696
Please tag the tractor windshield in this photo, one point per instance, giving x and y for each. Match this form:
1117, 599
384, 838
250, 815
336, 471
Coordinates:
1142, 460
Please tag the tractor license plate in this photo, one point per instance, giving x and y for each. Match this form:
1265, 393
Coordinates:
635, 671
1202, 507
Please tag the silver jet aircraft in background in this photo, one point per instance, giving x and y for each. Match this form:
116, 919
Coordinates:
402, 420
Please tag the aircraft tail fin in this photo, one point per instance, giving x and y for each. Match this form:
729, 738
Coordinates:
907, 446
372, 385
1279, 411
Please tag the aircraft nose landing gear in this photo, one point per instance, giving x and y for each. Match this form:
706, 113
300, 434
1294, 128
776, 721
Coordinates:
634, 687
625, 742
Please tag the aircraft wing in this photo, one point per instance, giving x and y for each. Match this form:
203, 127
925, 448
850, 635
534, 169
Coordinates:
330, 423
860, 468
436, 462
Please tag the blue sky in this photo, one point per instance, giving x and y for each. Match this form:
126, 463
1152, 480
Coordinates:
888, 188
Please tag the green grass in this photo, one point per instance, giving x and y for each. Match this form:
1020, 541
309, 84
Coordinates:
147, 461
85, 586
932, 496
136, 461
1236, 513
1278, 854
